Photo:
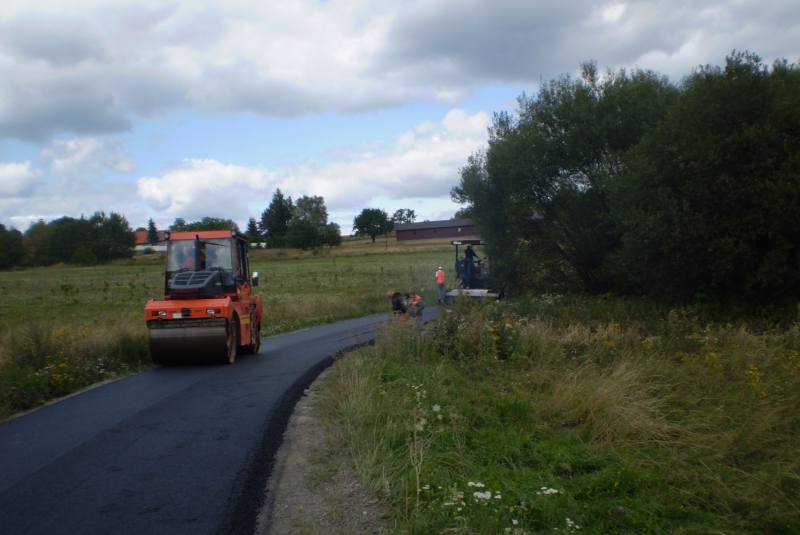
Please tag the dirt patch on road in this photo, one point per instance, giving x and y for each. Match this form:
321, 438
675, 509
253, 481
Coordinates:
314, 489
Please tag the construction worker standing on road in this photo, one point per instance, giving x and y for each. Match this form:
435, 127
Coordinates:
440, 283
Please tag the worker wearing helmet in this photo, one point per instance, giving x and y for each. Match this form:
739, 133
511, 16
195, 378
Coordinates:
440, 283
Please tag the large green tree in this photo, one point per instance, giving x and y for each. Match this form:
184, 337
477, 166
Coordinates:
332, 235
179, 225
463, 213
709, 203
36, 238
11, 249
111, 237
211, 223
99, 238
404, 215
372, 222
539, 191
309, 219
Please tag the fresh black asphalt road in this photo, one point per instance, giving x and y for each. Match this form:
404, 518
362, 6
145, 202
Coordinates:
170, 450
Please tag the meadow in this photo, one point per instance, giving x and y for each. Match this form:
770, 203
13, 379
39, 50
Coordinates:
577, 414
63, 328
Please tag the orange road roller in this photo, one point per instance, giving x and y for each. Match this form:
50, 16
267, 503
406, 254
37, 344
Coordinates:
209, 313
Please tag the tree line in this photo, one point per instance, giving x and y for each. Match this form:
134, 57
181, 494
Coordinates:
304, 224
83, 241
627, 183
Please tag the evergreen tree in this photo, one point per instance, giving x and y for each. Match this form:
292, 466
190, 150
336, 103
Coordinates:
275, 219
252, 233
152, 232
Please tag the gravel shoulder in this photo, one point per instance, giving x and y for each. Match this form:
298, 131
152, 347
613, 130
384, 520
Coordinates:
314, 489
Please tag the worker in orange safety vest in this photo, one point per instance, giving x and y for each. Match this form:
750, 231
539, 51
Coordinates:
440, 283
415, 303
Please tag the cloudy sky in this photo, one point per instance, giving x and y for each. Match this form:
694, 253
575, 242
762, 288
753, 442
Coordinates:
165, 109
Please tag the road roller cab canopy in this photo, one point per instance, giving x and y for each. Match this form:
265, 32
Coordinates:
207, 264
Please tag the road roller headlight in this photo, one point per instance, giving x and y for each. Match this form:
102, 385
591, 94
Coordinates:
212, 311
159, 313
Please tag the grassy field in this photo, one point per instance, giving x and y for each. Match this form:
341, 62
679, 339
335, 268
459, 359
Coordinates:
578, 415
302, 288
63, 328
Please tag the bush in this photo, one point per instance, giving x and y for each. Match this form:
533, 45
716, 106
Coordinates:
83, 256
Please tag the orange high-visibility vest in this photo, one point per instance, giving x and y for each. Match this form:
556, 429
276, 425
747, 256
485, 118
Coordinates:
440, 276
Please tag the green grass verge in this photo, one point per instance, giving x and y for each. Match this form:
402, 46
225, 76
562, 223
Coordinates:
577, 415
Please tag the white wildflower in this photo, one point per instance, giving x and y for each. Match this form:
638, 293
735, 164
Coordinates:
546, 490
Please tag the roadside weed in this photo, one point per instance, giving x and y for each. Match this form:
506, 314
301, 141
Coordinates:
560, 415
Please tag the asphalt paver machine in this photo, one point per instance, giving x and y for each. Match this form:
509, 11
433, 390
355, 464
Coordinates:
473, 274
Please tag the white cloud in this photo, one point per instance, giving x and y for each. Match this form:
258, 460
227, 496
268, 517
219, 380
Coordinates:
84, 157
613, 12
18, 180
99, 65
422, 164
26, 195
198, 188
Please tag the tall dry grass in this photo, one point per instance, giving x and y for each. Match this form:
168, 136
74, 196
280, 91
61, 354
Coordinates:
659, 422
41, 360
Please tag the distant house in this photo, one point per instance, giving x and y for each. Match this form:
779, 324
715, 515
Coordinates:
428, 230
142, 243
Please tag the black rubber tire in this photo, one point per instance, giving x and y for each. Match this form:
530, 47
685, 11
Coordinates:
255, 342
233, 342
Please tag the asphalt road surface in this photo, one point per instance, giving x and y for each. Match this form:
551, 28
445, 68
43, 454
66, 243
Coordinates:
170, 450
